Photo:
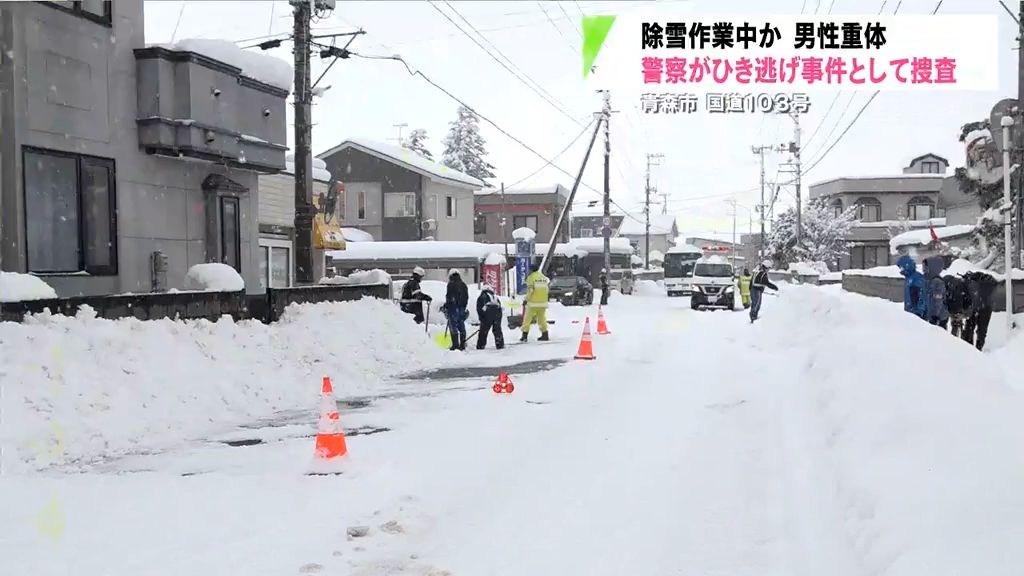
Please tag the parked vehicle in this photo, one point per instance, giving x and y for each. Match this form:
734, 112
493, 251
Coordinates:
621, 279
571, 291
713, 284
679, 269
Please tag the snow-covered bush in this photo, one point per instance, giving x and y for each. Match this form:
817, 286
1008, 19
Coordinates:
823, 234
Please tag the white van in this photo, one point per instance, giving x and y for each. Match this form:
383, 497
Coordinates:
713, 284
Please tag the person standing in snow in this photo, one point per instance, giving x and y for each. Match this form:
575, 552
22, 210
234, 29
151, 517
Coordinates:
758, 283
958, 303
603, 280
456, 305
745, 288
914, 292
414, 301
536, 303
982, 288
936, 312
488, 310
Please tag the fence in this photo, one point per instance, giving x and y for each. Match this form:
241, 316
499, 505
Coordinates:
194, 305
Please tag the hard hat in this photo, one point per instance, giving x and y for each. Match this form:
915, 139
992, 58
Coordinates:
418, 271
453, 272
767, 263
603, 270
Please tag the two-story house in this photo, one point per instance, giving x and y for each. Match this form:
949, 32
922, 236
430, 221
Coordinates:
395, 194
663, 233
887, 205
535, 208
123, 165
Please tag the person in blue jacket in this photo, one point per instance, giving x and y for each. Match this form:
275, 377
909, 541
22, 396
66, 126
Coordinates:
937, 313
915, 293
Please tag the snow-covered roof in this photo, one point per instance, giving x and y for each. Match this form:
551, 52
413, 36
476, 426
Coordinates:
880, 177
320, 173
595, 245
256, 65
656, 256
549, 189
524, 233
409, 160
685, 249
636, 259
637, 226
412, 249
356, 235
924, 237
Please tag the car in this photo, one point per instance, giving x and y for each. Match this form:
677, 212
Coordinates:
571, 291
713, 284
621, 279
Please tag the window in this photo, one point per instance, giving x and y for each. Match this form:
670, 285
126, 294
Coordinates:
361, 206
450, 206
920, 208
70, 213
480, 224
869, 256
837, 208
264, 258
275, 263
96, 10
930, 167
586, 232
524, 222
869, 210
230, 233
400, 205
339, 189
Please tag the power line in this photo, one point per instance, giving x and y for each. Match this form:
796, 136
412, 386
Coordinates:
496, 59
556, 156
557, 29
567, 17
412, 72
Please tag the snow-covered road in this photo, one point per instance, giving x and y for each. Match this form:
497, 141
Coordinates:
817, 441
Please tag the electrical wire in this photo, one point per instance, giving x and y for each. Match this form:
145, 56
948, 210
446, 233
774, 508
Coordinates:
557, 29
555, 157
567, 17
496, 59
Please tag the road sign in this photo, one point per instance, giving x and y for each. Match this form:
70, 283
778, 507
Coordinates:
607, 221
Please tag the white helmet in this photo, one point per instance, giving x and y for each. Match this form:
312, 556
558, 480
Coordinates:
604, 271
767, 263
418, 271
453, 272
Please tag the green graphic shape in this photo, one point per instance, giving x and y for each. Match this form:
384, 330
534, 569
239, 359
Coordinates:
595, 31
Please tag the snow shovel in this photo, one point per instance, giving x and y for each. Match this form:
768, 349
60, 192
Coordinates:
444, 340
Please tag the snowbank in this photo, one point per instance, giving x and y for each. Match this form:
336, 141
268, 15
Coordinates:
924, 237
494, 259
16, 287
831, 277
125, 386
916, 458
804, 269
214, 277
356, 235
878, 271
258, 66
648, 288
412, 249
656, 256
373, 277
524, 233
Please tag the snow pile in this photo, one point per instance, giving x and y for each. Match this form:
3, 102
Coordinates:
494, 259
878, 271
375, 277
656, 256
804, 269
356, 235
524, 233
261, 67
214, 277
831, 277
16, 287
320, 173
636, 260
648, 288
919, 464
924, 237
412, 249
125, 386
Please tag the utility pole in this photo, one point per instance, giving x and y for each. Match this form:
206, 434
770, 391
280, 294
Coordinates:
400, 126
1019, 136
606, 230
303, 145
504, 238
733, 250
795, 150
760, 150
664, 202
647, 211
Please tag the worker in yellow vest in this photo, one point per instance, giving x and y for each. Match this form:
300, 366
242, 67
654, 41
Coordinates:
536, 303
745, 288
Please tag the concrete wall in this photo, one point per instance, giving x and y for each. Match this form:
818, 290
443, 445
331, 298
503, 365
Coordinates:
160, 204
892, 289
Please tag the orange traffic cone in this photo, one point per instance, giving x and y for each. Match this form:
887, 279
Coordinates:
586, 349
503, 384
602, 326
330, 439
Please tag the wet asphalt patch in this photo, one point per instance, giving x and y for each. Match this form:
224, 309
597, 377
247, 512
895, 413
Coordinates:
469, 372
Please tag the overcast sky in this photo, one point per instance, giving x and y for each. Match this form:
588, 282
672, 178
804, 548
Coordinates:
368, 98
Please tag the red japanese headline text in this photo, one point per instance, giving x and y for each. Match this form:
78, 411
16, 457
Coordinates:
810, 69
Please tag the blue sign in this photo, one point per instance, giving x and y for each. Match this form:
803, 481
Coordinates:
522, 271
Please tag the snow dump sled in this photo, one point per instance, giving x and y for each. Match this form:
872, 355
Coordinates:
515, 321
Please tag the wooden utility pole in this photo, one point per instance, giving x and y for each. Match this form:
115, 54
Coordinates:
606, 230
760, 150
647, 211
303, 159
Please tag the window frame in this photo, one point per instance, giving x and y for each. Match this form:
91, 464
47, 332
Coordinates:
873, 203
361, 205
80, 159
451, 207
536, 222
926, 164
480, 224
76, 9
916, 201
222, 201
586, 232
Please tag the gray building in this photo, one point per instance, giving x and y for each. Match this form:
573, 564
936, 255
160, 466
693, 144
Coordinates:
113, 151
887, 205
664, 231
535, 208
395, 194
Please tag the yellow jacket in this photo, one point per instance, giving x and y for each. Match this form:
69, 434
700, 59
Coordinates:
745, 286
537, 290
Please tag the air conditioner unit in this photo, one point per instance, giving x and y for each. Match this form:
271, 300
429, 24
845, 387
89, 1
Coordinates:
429, 225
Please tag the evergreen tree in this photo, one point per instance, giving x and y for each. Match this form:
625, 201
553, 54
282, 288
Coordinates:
982, 178
464, 147
822, 238
416, 141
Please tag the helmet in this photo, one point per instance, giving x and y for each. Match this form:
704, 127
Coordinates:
604, 271
453, 272
417, 271
767, 263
